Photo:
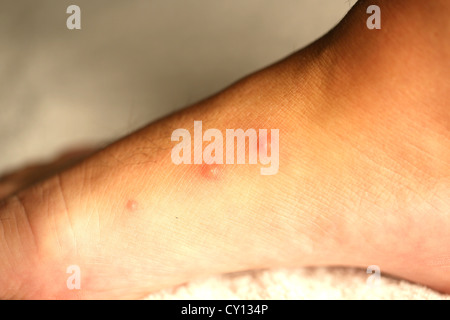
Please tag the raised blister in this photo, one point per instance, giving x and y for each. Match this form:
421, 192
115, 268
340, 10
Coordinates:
211, 171
132, 205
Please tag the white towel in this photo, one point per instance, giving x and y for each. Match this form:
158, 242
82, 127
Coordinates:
302, 283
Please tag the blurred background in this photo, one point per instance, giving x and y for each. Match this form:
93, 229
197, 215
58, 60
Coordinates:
132, 62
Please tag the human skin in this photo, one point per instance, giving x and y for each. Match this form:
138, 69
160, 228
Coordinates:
364, 176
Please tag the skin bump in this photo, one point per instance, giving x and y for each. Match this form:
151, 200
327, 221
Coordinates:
211, 171
132, 205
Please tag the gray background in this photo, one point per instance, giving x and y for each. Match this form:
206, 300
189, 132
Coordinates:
132, 62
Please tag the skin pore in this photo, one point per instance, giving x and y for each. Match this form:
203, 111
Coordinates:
364, 176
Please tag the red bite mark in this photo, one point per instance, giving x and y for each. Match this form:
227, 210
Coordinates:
211, 171
264, 148
132, 205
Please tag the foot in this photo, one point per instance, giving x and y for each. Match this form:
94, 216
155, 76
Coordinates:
364, 176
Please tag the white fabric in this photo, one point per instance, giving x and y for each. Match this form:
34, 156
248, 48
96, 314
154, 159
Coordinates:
303, 283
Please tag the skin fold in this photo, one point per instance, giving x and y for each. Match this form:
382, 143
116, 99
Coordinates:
364, 176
